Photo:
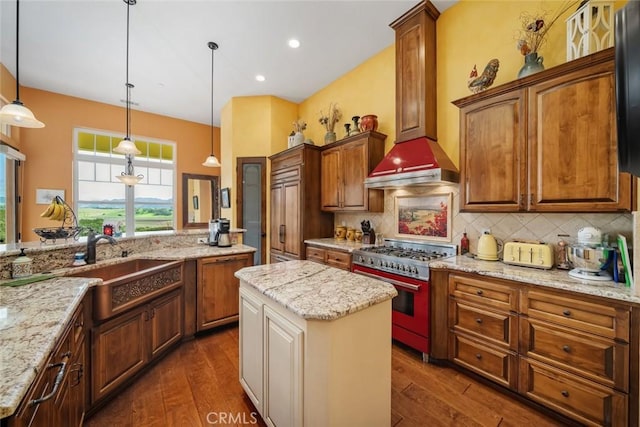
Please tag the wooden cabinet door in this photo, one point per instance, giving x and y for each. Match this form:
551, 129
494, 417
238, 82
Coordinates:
119, 350
77, 388
283, 370
292, 221
355, 169
416, 73
573, 144
217, 293
251, 372
492, 154
166, 322
331, 179
277, 218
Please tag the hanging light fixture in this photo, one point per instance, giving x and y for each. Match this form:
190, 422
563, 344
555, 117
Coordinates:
16, 114
126, 146
212, 160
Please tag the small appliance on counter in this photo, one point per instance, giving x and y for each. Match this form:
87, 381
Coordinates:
590, 258
528, 254
488, 247
214, 231
224, 240
368, 233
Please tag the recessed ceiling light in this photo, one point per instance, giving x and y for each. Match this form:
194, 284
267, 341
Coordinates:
294, 43
260, 78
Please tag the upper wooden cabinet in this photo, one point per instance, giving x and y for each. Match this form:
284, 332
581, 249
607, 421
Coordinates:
295, 202
416, 72
344, 166
544, 143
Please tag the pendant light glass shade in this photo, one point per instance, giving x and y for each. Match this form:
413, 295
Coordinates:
126, 146
212, 160
16, 114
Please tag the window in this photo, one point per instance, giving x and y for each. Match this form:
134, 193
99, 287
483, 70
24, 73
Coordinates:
100, 198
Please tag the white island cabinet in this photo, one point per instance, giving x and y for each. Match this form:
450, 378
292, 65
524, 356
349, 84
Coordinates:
315, 345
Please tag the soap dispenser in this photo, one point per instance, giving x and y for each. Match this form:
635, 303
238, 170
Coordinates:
21, 266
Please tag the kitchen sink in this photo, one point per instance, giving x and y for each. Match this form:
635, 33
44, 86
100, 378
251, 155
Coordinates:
131, 283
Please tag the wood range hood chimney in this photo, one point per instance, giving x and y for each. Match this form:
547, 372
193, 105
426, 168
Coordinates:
416, 158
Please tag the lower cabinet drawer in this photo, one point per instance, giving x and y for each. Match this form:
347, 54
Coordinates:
495, 364
585, 401
339, 259
501, 328
599, 359
316, 254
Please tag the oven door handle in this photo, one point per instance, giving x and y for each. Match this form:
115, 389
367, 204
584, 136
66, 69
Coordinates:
409, 286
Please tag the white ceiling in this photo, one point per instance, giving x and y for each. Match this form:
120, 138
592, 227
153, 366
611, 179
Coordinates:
78, 48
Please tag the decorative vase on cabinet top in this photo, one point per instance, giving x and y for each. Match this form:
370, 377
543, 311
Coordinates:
532, 64
368, 123
329, 137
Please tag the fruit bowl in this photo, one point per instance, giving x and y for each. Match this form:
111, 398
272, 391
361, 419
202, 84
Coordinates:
57, 233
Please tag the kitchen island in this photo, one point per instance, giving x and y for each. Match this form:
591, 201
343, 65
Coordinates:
315, 345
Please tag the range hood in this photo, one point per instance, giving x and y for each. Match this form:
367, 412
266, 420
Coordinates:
416, 162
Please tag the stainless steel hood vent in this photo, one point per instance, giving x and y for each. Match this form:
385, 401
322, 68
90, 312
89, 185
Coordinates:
416, 162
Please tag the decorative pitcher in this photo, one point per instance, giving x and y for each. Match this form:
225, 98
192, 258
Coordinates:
532, 64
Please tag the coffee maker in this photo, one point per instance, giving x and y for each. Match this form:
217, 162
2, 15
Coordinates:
224, 240
214, 232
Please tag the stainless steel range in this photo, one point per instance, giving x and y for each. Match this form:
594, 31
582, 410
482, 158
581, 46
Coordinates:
405, 264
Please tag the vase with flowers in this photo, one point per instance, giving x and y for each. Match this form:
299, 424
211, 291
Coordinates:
298, 127
329, 121
533, 34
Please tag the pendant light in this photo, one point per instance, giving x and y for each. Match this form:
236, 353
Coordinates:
212, 160
16, 114
126, 146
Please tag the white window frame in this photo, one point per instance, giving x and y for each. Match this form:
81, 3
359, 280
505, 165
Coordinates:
129, 190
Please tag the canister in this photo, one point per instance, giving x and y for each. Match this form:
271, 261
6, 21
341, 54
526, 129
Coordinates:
21, 266
341, 232
351, 234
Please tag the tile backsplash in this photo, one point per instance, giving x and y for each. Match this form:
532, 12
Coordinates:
505, 226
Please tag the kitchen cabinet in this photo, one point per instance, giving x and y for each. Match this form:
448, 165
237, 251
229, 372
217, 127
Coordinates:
416, 108
344, 166
217, 289
295, 202
333, 257
57, 397
124, 345
544, 143
574, 354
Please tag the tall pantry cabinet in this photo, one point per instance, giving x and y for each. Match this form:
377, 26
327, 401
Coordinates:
295, 202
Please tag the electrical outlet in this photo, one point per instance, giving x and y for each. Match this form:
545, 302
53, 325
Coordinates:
202, 240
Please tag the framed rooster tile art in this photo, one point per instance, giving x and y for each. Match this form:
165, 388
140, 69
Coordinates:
423, 217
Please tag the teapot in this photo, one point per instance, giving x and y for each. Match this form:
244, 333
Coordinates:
488, 247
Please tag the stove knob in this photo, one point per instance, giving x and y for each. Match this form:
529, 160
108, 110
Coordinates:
371, 261
360, 258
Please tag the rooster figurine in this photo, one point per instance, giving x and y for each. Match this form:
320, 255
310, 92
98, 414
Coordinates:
479, 83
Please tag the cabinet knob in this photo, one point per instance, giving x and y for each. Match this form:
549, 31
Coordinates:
479, 292
478, 356
566, 312
566, 348
479, 321
565, 393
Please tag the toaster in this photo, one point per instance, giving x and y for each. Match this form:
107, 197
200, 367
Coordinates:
528, 254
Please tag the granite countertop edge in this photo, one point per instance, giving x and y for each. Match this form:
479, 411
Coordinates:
315, 291
15, 380
553, 278
332, 243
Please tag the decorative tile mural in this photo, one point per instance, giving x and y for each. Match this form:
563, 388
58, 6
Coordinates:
545, 227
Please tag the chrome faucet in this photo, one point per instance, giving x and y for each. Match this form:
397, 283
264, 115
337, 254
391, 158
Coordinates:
92, 239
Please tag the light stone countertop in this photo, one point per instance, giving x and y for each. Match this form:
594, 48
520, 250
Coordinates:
316, 291
331, 243
557, 279
33, 316
32, 319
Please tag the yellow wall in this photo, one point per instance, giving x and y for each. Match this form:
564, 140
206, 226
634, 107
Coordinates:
369, 88
49, 150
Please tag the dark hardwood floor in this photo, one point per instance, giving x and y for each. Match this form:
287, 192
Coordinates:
197, 385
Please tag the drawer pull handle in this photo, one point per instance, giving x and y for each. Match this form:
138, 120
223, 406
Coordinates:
565, 393
56, 383
479, 321
479, 292
566, 348
567, 312
478, 356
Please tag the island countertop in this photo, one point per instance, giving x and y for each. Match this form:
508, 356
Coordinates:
554, 278
316, 291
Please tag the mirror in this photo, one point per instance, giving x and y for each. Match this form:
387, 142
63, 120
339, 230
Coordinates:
200, 201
